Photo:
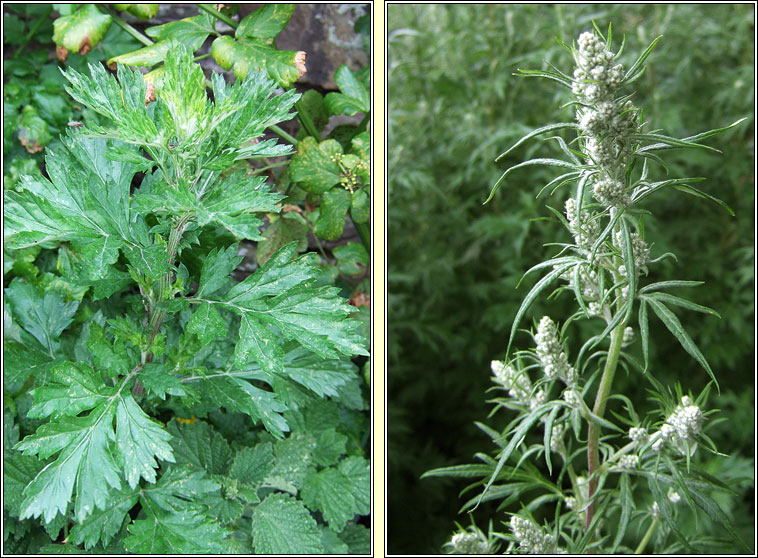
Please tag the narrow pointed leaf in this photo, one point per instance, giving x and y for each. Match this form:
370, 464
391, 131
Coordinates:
667, 140
627, 503
644, 331
543, 161
548, 75
641, 59
672, 323
538, 131
516, 438
688, 189
531, 296
667, 284
675, 300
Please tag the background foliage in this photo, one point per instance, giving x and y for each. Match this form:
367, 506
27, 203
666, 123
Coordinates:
454, 264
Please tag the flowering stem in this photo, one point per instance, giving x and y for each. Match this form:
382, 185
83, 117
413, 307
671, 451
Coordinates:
593, 437
648, 534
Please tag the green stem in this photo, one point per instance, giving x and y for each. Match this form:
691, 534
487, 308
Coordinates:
603, 391
269, 167
646, 539
306, 121
575, 484
218, 15
131, 30
156, 319
282, 134
31, 32
593, 437
316, 238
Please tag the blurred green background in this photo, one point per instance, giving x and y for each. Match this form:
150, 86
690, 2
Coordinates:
454, 263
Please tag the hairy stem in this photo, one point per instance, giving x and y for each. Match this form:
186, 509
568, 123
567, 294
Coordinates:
157, 316
593, 437
173, 244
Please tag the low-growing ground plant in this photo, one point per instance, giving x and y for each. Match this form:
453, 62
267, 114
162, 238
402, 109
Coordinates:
587, 469
154, 402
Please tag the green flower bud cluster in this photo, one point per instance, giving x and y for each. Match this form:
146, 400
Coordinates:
469, 543
629, 462
531, 538
551, 354
586, 232
611, 192
637, 434
628, 336
604, 121
595, 78
556, 439
515, 381
681, 427
640, 252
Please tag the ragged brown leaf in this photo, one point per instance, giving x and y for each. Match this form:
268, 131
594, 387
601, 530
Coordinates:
61, 53
85, 46
360, 299
300, 64
149, 94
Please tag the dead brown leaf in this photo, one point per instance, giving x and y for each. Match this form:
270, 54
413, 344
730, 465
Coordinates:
149, 94
85, 46
61, 53
300, 64
34, 147
360, 299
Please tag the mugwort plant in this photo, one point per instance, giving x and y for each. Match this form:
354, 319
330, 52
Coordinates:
604, 478
153, 403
